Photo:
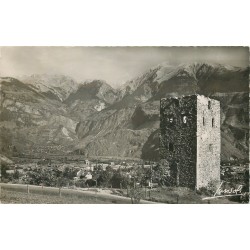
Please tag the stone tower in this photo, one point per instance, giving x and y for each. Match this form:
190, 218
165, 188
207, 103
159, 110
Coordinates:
190, 140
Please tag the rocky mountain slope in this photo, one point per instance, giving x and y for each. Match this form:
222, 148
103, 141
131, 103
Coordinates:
136, 111
53, 86
90, 97
91, 117
31, 122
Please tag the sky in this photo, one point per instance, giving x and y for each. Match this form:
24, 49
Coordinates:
116, 65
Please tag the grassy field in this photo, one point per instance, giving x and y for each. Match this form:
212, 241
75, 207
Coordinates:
17, 193
178, 195
13, 197
182, 195
47, 195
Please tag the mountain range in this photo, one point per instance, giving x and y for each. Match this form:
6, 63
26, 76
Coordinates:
54, 114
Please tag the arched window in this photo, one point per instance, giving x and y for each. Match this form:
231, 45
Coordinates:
203, 121
212, 122
209, 104
176, 102
171, 147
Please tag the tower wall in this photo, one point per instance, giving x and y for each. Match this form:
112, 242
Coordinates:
178, 138
208, 142
190, 140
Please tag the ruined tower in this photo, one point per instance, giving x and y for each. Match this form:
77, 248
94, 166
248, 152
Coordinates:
190, 140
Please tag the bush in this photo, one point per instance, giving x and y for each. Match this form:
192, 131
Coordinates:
90, 183
118, 180
80, 183
4, 174
104, 178
210, 189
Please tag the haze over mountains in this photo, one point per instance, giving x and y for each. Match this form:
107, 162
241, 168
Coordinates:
53, 114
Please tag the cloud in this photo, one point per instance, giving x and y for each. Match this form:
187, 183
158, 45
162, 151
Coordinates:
113, 64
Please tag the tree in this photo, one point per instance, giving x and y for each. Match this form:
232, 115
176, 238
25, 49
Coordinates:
33, 178
90, 183
118, 179
16, 175
66, 173
3, 170
104, 178
61, 182
80, 183
14, 149
4, 174
135, 192
246, 180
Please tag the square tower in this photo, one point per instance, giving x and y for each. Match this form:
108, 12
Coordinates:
190, 140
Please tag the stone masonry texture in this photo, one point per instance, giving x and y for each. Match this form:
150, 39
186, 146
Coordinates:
190, 140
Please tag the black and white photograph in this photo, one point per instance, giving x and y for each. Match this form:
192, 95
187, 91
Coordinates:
124, 125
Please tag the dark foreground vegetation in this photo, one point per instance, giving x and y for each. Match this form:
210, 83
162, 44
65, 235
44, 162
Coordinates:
150, 181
